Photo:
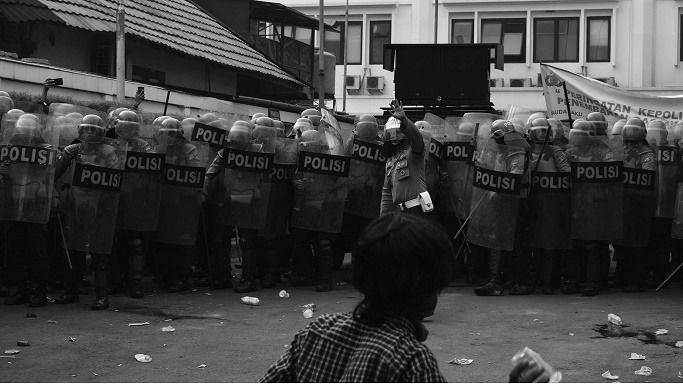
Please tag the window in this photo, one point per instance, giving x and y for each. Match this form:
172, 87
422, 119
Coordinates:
334, 42
380, 34
598, 39
556, 40
149, 76
462, 31
103, 59
508, 32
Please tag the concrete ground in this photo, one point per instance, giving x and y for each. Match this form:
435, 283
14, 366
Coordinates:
217, 338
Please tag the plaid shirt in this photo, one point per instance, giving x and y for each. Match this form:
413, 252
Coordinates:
338, 348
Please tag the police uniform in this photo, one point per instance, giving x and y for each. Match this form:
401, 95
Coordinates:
404, 180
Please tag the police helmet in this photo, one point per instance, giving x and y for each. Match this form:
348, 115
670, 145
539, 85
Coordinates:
127, 124
618, 127
634, 130
656, 132
313, 115
538, 129
91, 129
581, 129
366, 126
599, 121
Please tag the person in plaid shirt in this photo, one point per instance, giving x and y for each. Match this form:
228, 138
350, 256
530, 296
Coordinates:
401, 264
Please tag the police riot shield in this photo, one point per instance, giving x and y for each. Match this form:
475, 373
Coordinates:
433, 136
321, 187
495, 195
457, 167
597, 188
666, 185
214, 121
366, 175
247, 176
281, 190
66, 118
27, 157
482, 123
677, 224
142, 185
548, 209
181, 197
92, 197
332, 130
639, 195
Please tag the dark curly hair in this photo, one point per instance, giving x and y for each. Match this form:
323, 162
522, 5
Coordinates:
400, 264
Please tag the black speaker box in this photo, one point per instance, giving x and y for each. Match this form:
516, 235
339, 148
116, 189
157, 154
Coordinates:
442, 74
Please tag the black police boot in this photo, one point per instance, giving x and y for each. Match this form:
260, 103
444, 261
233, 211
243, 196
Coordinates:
179, 285
593, 256
495, 286
325, 267
247, 282
67, 298
572, 267
39, 299
136, 291
101, 300
136, 263
100, 303
21, 296
271, 276
547, 262
636, 264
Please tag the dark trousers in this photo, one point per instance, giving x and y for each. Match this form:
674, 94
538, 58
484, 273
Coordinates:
27, 246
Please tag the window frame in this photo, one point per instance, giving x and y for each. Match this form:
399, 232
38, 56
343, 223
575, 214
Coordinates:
556, 37
516, 58
470, 21
609, 38
371, 42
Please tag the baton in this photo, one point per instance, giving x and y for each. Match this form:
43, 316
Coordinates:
4, 247
668, 278
470, 215
465, 236
61, 231
206, 246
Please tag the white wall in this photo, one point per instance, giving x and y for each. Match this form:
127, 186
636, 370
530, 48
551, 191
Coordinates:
644, 42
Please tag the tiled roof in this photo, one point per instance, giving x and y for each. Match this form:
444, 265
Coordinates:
178, 24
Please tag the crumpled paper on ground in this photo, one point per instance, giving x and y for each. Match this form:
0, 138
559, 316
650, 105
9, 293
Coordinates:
614, 319
168, 329
138, 324
644, 371
609, 376
679, 344
635, 356
463, 361
661, 332
143, 358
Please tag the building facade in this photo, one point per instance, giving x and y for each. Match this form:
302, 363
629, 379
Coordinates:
633, 44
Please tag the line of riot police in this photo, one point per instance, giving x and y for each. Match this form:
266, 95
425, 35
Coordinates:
542, 202
169, 195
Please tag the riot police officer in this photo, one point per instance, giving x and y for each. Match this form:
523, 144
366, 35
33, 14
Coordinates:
90, 150
27, 235
639, 181
507, 153
405, 185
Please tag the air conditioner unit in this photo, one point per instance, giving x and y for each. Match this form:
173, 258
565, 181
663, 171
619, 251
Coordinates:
520, 82
374, 83
607, 80
353, 82
495, 82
